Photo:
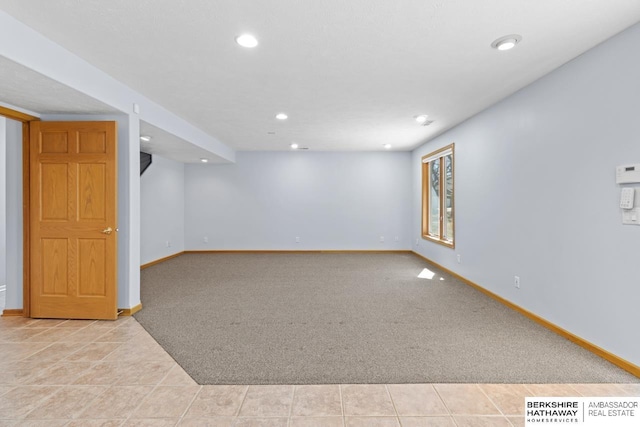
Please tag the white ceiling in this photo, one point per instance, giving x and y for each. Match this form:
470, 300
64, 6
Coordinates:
351, 74
38, 94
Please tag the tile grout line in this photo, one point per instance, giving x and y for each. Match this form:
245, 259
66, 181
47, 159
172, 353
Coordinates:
40, 402
145, 397
492, 402
244, 397
293, 396
193, 399
92, 400
445, 404
393, 405
344, 420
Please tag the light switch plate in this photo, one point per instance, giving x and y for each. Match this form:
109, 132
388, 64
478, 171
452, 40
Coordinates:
631, 216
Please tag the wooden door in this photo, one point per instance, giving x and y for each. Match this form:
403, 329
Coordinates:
73, 244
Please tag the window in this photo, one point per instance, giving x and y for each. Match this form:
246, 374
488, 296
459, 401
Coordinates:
437, 196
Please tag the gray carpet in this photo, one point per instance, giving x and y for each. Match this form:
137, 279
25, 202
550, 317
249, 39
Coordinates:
349, 319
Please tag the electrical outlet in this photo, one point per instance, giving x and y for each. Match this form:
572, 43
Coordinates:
168, 243
516, 281
418, 242
381, 239
397, 238
459, 258
297, 239
205, 239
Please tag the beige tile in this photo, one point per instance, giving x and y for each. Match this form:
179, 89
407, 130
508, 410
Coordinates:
177, 376
10, 352
371, 422
14, 322
131, 324
598, 390
482, 421
317, 400
118, 335
416, 400
55, 352
207, 422
84, 335
143, 372
116, 402
552, 390
217, 400
67, 403
427, 422
44, 323
132, 352
465, 399
8, 423
62, 373
316, 422
93, 352
509, 398
52, 335
95, 423
75, 324
17, 373
20, 334
516, 421
630, 389
166, 402
20, 401
110, 324
42, 423
261, 422
368, 400
152, 422
267, 401
5, 388
101, 373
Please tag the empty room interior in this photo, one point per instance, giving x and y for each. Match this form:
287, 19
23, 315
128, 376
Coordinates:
316, 213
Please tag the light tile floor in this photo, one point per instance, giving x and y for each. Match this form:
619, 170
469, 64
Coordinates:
92, 373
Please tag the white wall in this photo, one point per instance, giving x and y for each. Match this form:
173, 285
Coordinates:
3, 203
329, 200
536, 197
14, 214
161, 209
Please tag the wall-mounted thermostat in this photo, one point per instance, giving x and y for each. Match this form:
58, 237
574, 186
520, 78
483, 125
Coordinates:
628, 174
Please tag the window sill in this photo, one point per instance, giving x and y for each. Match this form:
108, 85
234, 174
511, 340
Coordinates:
439, 241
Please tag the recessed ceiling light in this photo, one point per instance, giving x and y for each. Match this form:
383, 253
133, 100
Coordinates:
387, 146
281, 116
145, 138
421, 118
294, 146
204, 160
506, 42
247, 40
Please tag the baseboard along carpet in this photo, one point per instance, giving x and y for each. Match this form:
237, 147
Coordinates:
347, 319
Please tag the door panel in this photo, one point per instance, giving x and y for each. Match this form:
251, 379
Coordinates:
54, 181
92, 192
73, 208
55, 259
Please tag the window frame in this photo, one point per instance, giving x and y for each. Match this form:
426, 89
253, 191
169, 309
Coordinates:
426, 161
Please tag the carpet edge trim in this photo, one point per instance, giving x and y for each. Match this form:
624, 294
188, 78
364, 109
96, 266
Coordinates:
598, 351
129, 311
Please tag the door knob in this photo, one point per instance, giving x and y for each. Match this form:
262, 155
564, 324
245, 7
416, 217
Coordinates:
107, 230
